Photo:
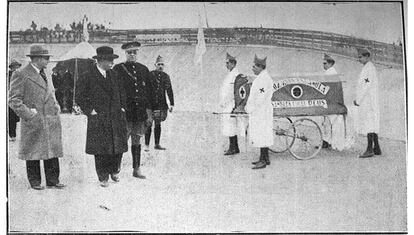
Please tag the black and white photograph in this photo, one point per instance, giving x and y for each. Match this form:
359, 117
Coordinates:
205, 117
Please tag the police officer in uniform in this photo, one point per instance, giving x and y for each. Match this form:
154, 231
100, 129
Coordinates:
135, 78
162, 84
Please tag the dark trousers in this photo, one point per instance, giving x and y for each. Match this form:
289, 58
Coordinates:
12, 128
51, 171
107, 164
157, 134
13, 120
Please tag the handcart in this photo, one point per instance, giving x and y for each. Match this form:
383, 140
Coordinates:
297, 102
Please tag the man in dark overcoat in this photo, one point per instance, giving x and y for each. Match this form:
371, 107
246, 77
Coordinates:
135, 78
161, 82
13, 118
101, 98
32, 98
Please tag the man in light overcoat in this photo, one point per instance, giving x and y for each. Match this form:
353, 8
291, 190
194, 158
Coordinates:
32, 98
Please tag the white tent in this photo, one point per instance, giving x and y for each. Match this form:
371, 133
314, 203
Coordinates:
83, 50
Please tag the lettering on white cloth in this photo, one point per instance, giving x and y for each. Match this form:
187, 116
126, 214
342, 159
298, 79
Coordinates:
300, 103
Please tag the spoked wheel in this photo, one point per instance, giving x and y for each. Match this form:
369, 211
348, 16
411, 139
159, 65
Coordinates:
308, 139
283, 134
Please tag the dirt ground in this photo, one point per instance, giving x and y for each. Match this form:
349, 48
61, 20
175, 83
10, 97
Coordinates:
192, 187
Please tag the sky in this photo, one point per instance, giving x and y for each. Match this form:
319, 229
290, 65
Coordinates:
380, 21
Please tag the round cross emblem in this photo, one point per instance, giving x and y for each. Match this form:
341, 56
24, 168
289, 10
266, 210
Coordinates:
242, 92
296, 91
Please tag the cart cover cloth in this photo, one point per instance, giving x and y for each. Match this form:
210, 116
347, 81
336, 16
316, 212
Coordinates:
297, 96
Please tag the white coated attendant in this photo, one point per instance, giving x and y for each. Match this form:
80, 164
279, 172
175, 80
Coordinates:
260, 110
367, 102
230, 124
367, 99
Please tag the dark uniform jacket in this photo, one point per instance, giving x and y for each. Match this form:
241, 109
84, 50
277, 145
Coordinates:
138, 90
12, 115
162, 83
106, 131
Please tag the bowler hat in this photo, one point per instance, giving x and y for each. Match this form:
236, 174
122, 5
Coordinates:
14, 63
38, 50
105, 52
129, 46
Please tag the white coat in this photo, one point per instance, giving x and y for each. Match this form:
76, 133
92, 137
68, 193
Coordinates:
368, 100
331, 71
229, 124
260, 110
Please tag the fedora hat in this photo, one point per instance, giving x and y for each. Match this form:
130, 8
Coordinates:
105, 52
38, 50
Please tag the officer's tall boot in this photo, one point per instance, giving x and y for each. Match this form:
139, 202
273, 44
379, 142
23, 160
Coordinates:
377, 149
157, 136
136, 161
369, 152
231, 150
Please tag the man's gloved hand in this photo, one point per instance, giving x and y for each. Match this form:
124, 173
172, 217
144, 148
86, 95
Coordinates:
171, 108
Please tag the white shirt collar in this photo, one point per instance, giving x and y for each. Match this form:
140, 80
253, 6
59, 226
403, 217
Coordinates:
34, 66
103, 72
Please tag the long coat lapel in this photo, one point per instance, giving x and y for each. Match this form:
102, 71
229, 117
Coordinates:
102, 81
35, 77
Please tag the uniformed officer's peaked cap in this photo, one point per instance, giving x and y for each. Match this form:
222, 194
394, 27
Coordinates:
259, 61
129, 46
159, 60
229, 57
328, 58
363, 51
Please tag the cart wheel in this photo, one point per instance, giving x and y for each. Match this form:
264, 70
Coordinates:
308, 139
283, 134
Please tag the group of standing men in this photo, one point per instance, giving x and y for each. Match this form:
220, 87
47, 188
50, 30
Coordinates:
119, 102
260, 110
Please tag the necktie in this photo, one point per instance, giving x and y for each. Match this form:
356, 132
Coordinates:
42, 73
